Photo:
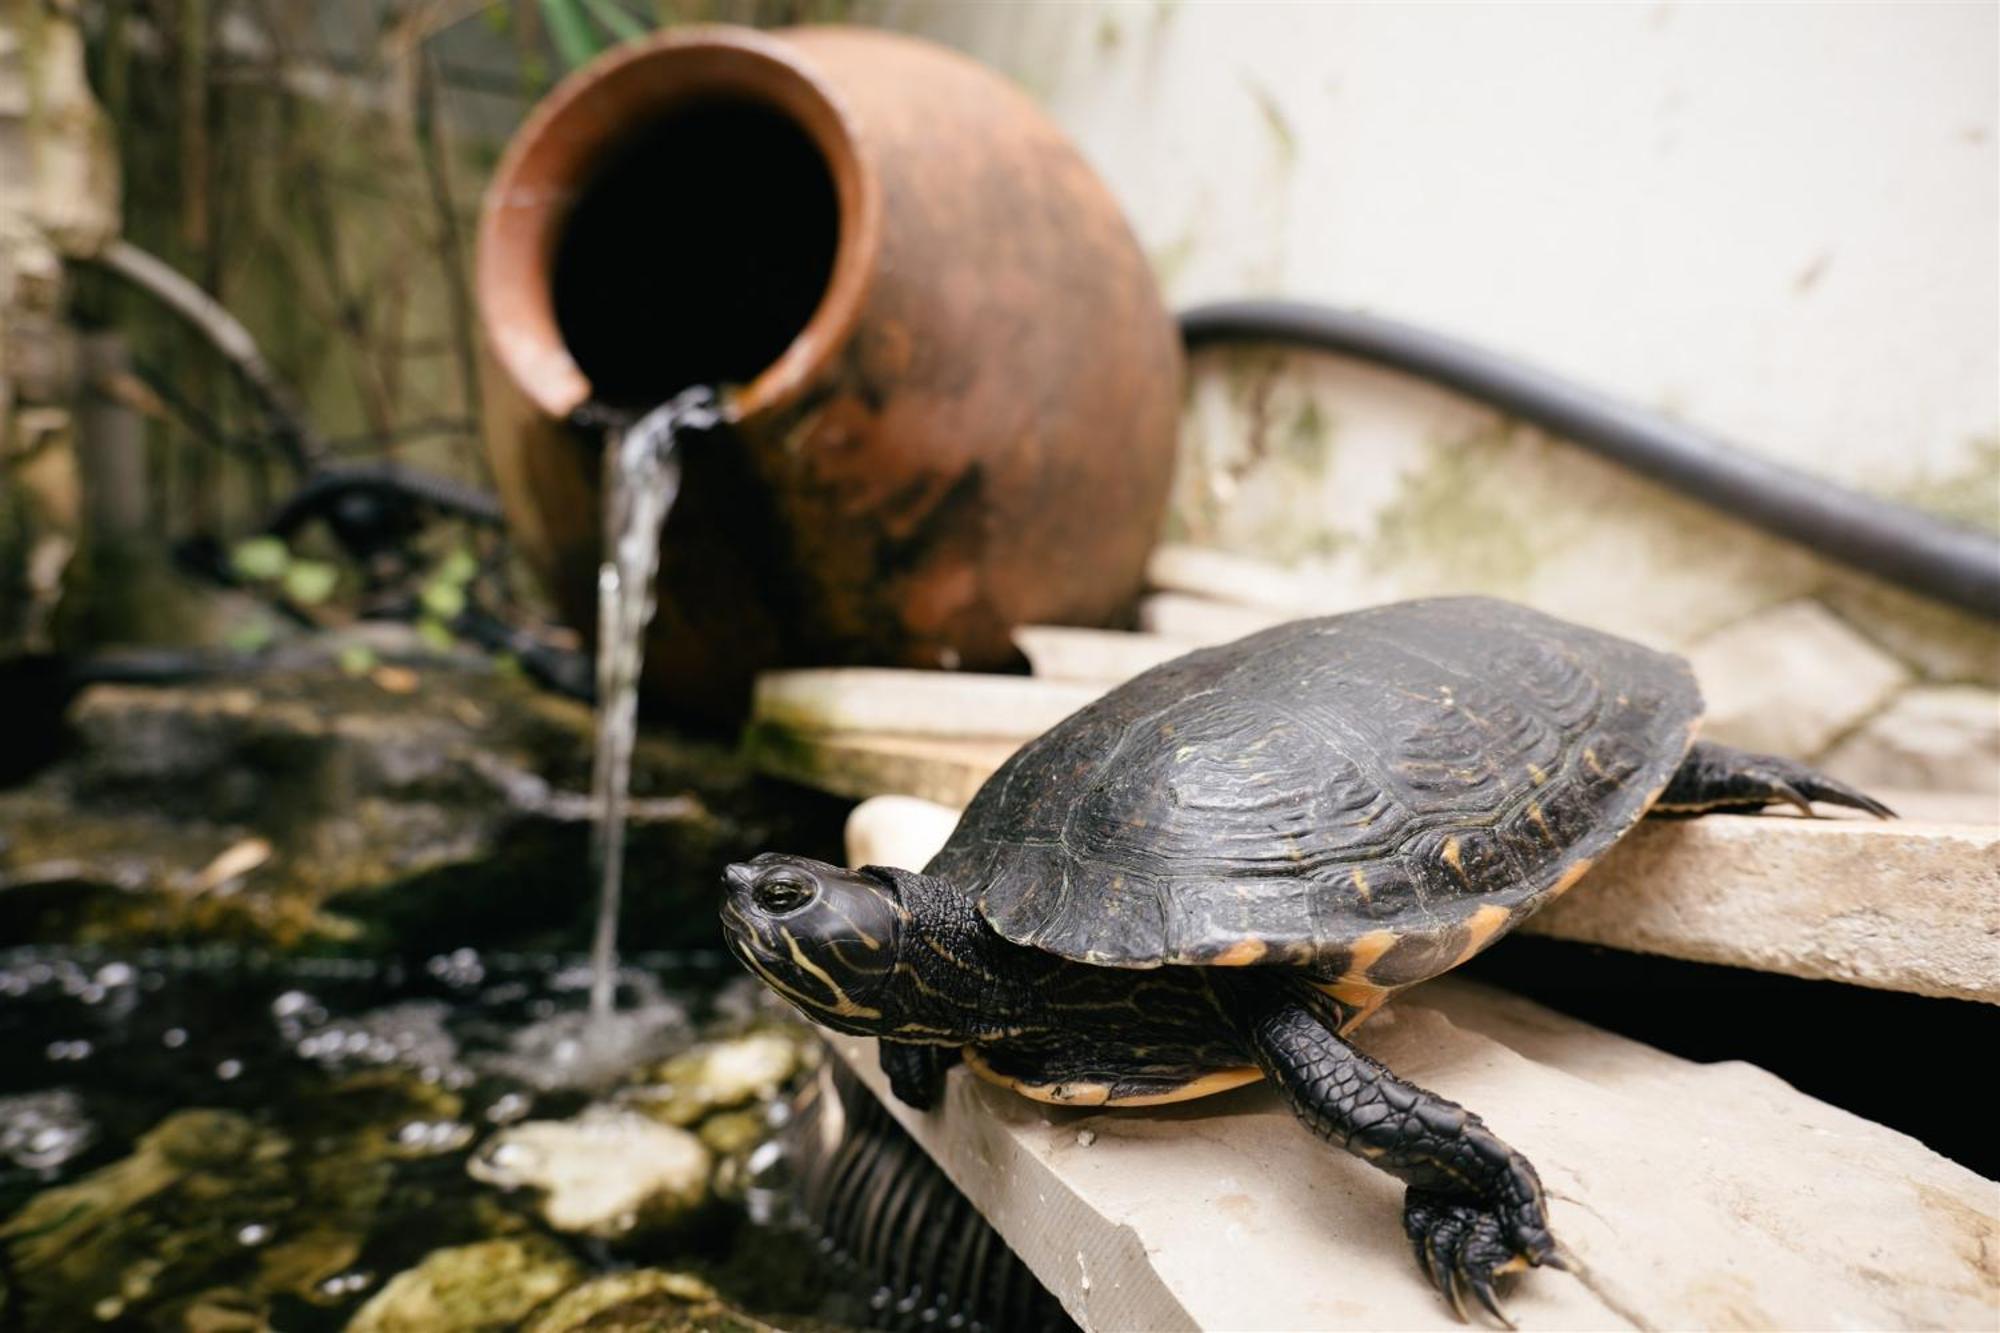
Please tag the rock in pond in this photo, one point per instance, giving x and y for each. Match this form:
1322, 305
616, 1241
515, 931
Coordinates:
606, 1173
215, 1220
102, 1243
720, 1075
647, 1300
488, 1286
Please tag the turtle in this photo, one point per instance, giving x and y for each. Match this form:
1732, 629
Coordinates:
1216, 871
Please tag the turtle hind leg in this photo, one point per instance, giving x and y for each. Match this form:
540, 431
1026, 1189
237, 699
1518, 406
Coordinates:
1722, 777
1474, 1209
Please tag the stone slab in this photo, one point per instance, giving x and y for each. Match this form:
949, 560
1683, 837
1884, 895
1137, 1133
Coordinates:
863, 765
1689, 1196
883, 828
1912, 905
1102, 656
915, 703
1791, 679
1945, 736
1223, 576
1204, 620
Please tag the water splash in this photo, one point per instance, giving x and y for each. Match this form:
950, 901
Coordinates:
593, 1050
39, 1131
642, 474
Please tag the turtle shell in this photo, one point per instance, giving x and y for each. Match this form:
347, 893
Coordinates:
1372, 796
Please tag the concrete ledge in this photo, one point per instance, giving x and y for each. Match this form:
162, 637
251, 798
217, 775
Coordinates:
1100, 656
863, 765
917, 703
1693, 1196
1203, 620
1908, 906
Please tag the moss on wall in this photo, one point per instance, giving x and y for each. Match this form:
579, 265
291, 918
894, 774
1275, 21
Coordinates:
1968, 494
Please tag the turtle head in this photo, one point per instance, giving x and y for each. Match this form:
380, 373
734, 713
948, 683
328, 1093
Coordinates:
822, 937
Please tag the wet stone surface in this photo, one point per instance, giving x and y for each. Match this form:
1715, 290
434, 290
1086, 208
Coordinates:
212, 1139
609, 1172
438, 806
646, 1300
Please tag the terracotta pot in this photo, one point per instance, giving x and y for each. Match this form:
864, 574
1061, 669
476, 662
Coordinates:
955, 385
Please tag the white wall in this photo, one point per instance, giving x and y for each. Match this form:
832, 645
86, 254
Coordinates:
1778, 221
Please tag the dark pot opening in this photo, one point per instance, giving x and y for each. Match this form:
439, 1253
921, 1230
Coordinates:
694, 209
696, 253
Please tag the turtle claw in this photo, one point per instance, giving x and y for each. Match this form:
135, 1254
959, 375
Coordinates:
1784, 791
1798, 786
1435, 1251
1482, 1287
1454, 1295
1818, 787
1719, 777
1453, 1284
1467, 1245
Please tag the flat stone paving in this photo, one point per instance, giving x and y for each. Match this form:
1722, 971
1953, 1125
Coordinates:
1910, 905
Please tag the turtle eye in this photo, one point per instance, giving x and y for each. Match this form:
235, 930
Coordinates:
781, 894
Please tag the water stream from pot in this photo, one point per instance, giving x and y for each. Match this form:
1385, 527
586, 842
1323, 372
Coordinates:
725, 207
642, 473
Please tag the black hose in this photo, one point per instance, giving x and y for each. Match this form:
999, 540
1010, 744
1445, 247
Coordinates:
327, 485
1903, 545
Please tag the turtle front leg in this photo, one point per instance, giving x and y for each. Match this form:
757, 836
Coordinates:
916, 1073
1722, 777
1474, 1209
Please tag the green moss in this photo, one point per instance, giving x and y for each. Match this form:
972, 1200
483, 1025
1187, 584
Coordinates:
1968, 495
1307, 441
674, 1299
1284, 140
162, 1237
492, 1284
1170, 261
1250, 372
798, 757
1450, 515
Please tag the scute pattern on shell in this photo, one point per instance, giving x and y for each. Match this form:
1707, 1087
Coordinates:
1355, 794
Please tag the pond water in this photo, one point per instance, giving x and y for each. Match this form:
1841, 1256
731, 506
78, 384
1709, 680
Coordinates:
223, 1137
217, 1140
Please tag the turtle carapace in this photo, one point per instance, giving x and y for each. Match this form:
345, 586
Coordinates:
1216, 871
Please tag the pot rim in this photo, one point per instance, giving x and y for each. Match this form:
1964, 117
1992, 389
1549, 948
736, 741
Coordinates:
552, 156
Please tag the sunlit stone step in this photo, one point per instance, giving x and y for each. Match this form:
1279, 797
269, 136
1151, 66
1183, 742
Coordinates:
860, 765
1100, 656
917, 703
1910, 905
